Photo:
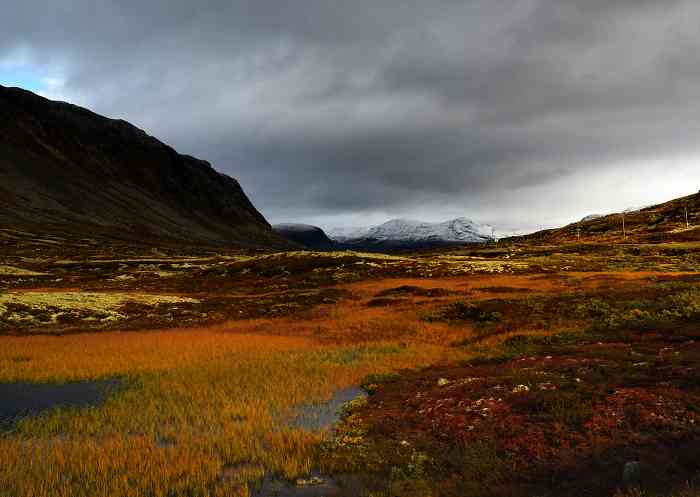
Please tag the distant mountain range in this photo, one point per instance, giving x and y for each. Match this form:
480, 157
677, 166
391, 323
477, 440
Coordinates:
676, 220
410, 234
65, 169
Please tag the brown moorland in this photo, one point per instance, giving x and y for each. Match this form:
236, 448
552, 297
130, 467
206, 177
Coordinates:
510, 369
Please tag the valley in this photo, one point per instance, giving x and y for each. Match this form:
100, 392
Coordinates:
498, 369
159, 338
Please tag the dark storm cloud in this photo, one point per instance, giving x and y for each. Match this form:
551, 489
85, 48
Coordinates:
326, 108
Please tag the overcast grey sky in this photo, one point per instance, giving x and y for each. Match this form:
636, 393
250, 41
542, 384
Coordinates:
520, 114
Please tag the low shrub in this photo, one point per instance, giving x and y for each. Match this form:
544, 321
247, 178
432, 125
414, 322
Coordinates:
462, 311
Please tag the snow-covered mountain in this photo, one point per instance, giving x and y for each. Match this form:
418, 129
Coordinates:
341, 234
407, 233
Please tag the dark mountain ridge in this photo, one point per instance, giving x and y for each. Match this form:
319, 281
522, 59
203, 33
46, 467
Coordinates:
311, 237
64, 168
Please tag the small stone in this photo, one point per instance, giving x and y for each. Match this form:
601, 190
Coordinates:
306, 482
632, 473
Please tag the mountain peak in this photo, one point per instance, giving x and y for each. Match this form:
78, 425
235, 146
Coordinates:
407, 233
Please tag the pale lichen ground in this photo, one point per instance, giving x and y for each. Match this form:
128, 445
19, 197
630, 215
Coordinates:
102, 306
16, 271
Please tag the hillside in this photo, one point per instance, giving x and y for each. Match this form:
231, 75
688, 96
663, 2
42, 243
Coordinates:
658, 223
67, 170
311, 237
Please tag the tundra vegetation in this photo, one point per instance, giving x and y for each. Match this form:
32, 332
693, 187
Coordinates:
504, 370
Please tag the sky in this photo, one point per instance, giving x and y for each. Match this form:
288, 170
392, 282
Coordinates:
521, 114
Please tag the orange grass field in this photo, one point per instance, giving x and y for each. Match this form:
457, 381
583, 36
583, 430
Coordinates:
201, 411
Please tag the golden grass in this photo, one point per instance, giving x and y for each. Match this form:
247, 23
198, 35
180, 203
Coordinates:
202, 410
471, 283
336, 254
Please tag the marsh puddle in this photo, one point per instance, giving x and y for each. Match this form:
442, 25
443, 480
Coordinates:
22, 399
316, 417
345, 486
322, 416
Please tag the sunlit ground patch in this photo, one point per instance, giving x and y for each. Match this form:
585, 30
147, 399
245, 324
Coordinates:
17, 271
17, 308
201, 418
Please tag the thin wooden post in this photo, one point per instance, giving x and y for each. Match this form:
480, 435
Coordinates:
624, 229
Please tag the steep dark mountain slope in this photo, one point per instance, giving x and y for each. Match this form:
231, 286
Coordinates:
66, 169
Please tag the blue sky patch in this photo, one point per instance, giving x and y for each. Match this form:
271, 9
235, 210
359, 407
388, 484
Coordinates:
22, 76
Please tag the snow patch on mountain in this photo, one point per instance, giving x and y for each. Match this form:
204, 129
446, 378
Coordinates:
460, 230
344, 233
636, 209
